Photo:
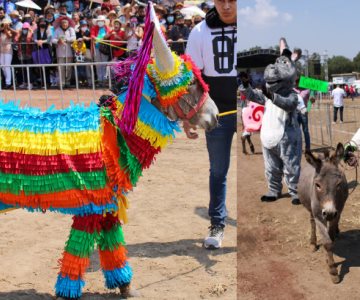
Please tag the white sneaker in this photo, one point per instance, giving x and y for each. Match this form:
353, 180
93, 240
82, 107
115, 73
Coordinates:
22, 86
215, 237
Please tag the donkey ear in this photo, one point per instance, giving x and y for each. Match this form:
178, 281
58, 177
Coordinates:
312, 160
283, 45
338, 155
296, 55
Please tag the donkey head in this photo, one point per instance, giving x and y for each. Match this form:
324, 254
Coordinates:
181, 92
329, 182
280, 77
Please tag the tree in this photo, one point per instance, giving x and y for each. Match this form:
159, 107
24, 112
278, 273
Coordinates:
356, 63
339, 65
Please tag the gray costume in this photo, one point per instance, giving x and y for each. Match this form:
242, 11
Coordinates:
280, 133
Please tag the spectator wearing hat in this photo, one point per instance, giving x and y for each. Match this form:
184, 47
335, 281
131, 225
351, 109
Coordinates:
29, 19
117, 36
76, 19
178, 34
197, 19
49, 16
64, 35
188, 21
24, 52
49, 9
97, 33
16, 24
112, 16
79, 47
127, 12
170, 21
84, 34
6, 51
133, 33
42, 38
160, 12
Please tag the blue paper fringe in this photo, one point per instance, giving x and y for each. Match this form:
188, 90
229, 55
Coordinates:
67, 288
75, 118
150, 115
118, 277
4, 206
79, 211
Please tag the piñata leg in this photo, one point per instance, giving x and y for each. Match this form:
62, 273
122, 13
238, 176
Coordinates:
113, 260
85, 230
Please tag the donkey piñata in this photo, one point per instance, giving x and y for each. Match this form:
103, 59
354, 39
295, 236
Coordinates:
83, 160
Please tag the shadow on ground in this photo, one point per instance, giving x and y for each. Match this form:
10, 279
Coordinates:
347, 246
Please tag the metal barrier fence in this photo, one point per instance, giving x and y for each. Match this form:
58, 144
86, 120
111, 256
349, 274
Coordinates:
325, 133
45, 89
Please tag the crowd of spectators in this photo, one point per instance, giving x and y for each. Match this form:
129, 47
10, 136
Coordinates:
79, 31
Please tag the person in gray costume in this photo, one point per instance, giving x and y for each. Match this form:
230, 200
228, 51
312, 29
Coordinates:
280, 133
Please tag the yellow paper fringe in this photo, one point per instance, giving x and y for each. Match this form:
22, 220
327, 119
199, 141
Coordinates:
147, 133
50, 144
164, 76
123, 205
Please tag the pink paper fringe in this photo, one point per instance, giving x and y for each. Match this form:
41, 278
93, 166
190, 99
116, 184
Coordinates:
136, 83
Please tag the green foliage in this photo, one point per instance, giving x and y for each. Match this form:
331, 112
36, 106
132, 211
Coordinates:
340, 64
356, 63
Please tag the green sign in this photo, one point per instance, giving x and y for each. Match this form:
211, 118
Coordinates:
313, 84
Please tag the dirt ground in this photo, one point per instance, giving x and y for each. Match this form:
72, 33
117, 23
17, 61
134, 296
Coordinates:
275, 260
167, 224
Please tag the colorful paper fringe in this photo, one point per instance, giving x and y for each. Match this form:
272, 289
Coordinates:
70, 161
171, 86
86, 231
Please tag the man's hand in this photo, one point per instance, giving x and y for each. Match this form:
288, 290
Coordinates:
244, 79
350, 157
187, 128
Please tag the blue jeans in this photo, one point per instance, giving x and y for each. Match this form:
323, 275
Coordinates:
303, 122
219, 147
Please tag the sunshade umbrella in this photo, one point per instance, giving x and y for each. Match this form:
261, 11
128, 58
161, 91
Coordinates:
192, 11
28, 4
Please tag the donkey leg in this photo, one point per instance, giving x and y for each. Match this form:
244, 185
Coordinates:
252, 148
313, 240
243, 144
331, 264
334, 228
113, 260
75, 259
328, 246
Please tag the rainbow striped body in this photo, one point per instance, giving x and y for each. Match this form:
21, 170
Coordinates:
76, 161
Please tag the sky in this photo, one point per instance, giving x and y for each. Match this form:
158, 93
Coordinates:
315, 25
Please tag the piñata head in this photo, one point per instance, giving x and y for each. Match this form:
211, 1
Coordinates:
180, 91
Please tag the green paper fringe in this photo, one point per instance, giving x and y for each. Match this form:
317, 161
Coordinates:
111, 239
82, 244
44, 184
